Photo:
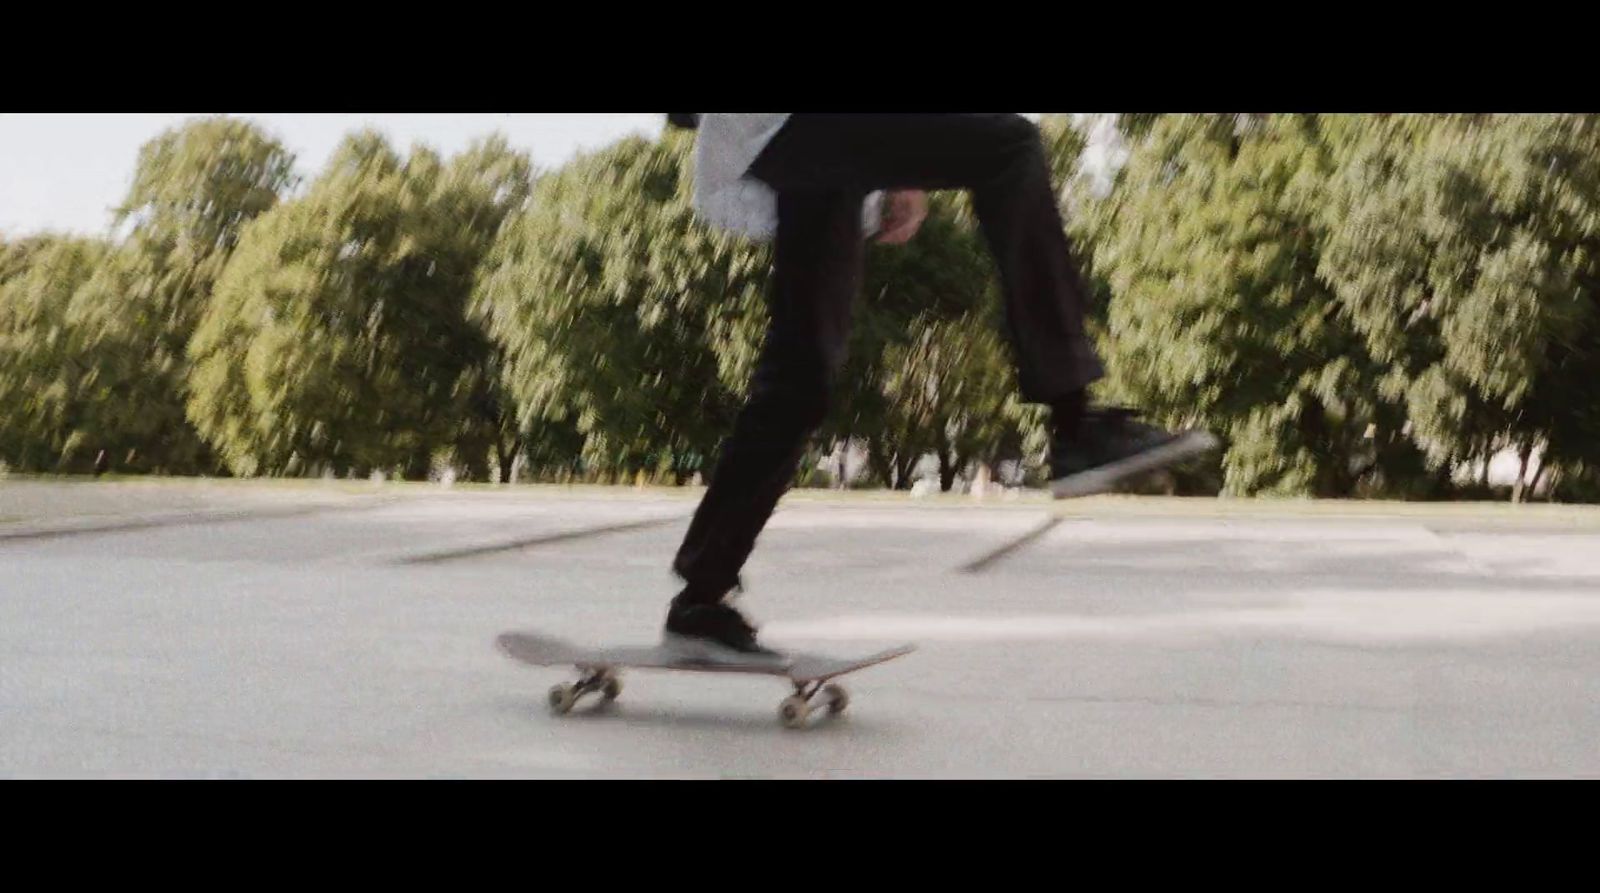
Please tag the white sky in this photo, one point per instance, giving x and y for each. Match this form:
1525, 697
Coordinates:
64, 172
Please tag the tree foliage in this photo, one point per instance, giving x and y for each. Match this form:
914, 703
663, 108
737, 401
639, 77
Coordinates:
339, 336
1359, 304
623, 319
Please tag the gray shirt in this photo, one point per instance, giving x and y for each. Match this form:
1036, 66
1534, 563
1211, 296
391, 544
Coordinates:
725, 194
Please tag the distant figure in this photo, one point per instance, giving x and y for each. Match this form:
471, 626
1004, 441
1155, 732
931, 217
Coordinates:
100, 463
820, 184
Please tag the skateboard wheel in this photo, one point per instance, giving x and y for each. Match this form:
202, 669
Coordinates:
837, 698
793, 711
562, 697
611, 689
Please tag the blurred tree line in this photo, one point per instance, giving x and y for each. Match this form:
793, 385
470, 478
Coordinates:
1360, 305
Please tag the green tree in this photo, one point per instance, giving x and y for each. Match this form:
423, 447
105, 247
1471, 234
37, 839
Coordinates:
1211, 244
947, 389
622, 318
194, 189
54, 393
130, 317
482, 188
1464, 251
338, 336
927, 371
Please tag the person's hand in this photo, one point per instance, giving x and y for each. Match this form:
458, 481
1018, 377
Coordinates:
903, 213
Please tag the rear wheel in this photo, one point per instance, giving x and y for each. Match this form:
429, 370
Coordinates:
836, 697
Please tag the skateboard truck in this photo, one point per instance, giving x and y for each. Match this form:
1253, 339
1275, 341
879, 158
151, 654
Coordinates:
592, 679
795, 709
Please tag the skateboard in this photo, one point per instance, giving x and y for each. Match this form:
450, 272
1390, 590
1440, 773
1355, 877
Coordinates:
810, 674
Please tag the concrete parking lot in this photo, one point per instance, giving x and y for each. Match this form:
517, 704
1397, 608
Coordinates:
266, 631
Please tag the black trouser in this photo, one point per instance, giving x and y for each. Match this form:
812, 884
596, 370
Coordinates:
822, 168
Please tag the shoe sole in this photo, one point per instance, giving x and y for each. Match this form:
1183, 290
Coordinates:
691, 649
1103, 479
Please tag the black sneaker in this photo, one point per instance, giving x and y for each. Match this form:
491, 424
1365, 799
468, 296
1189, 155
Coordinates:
714, 632
1109, 447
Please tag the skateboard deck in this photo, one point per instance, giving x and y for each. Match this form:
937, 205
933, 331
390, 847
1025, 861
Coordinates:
810, 674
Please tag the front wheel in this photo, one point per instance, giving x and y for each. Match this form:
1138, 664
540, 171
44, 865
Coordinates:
562, 697
793, 712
